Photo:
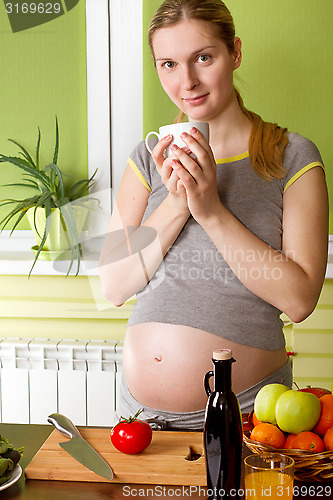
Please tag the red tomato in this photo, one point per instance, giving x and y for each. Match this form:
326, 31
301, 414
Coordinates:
131, 435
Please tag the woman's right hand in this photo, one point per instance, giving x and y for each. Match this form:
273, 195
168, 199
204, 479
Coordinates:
169, 177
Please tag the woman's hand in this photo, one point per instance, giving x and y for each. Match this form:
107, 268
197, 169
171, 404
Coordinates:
169, 177
198, 176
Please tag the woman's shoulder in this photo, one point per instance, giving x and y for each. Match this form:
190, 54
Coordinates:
143, 164
141, 151
300, 145
141, 154
301, 154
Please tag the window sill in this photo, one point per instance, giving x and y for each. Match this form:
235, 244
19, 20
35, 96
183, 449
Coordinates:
16, 258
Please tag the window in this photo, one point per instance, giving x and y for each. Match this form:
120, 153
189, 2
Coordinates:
115, 88
115, 110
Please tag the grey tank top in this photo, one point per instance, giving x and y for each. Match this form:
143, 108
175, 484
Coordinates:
194, 285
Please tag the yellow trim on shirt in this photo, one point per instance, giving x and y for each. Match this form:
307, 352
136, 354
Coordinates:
233, 158
302, 171
138, 173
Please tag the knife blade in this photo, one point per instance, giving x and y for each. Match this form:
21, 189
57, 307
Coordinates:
78, 447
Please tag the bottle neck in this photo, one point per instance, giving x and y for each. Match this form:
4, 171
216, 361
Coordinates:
222, 375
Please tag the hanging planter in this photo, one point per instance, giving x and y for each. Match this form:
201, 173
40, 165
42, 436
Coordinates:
56, 212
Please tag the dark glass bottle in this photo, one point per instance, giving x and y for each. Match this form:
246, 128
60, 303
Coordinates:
223, 433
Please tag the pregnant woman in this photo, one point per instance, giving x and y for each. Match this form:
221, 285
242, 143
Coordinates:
241, 231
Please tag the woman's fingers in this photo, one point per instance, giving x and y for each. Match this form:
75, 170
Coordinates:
191, 172
196, 142
164, 165
181, 188
190, 166
173, 179
158, 150
184, 175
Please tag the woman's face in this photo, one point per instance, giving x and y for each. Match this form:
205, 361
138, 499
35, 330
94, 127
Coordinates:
195, 68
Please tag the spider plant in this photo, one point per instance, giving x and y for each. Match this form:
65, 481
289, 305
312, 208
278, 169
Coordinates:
49, 192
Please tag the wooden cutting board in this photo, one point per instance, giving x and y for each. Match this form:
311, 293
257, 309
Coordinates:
167, 460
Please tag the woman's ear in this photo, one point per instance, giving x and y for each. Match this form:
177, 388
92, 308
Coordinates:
237, 55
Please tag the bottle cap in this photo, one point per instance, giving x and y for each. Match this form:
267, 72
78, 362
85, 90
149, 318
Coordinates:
222, 354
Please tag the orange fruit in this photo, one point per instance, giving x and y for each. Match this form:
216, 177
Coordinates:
326, 416
289, 441
255, 421
328, 439
308, 440
268, 434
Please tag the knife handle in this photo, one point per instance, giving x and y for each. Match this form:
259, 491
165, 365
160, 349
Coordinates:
64, 425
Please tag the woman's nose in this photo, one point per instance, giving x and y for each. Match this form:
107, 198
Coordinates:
189, 79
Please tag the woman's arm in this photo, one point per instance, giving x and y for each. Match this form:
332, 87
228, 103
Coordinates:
290, 281
123, 269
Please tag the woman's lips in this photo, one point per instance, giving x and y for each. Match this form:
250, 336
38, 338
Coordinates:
195, 101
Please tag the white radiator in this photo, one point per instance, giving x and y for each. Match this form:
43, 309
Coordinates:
76, 378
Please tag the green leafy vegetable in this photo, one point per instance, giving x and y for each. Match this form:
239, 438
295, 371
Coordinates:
5, 464
9, 457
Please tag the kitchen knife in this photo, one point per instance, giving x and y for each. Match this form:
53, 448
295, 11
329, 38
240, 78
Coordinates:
78, 447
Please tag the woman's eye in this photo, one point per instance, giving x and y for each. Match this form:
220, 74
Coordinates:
169, 64
203, 58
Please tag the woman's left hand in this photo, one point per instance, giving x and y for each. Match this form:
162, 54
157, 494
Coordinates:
198, 176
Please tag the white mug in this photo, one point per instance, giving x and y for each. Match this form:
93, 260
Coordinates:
176, 129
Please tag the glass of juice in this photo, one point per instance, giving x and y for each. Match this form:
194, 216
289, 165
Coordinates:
269, 476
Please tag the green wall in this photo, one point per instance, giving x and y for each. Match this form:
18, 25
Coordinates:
59, 308
43, 74
286, 74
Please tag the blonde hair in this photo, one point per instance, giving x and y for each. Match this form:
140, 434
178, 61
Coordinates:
268, 141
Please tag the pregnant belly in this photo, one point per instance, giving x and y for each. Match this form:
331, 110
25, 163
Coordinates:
164, 365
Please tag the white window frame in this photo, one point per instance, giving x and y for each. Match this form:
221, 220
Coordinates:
123, 19
115, 114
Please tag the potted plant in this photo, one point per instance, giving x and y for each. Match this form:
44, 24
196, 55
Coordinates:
56, 210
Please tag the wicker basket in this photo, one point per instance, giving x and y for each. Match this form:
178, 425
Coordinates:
309, 466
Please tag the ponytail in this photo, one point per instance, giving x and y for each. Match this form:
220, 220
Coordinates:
267, 144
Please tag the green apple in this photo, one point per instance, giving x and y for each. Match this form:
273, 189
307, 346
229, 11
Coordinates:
297, 411
265, 402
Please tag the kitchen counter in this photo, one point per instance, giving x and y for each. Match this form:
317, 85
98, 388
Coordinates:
32, 437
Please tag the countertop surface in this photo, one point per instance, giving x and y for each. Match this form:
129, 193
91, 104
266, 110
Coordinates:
32, 437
